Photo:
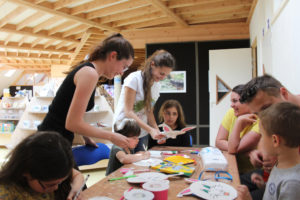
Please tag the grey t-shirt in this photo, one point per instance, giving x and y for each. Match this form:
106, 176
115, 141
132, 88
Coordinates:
283, 184
114, 163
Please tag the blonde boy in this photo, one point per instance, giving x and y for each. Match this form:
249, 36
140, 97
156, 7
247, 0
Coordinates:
280, 128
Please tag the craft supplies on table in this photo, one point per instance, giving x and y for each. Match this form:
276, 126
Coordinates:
149, 162
100, 198
179, 159
122, 177
210, 190
172, 168
213, 158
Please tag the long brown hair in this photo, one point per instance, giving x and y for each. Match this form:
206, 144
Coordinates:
159, 58
45, 156
180, 122
115, 42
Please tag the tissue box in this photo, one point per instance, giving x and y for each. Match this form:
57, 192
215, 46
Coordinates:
212, 157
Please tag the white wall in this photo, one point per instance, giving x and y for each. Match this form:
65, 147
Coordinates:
5, 82
278, 48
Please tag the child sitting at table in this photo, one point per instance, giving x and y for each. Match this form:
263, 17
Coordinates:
280, 128
40, 167
118, 156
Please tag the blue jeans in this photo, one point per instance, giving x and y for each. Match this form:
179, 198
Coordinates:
143, 141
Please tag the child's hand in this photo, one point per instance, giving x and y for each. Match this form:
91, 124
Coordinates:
258, 180
72, 195
243, 193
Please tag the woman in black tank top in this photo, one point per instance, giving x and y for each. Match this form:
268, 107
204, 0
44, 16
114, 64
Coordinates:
76, 94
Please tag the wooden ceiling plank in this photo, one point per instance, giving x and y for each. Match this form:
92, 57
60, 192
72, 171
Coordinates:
96, 4
61, 44
214, 6
46, 23
128, 14
36, 42
2, 2
12, 15
159, 4
60, 27
72, 46
216, 18
253, 5
141, 18
10, 28
118, 8
148, 23
64, 3
78, 29
49, 43
184, 3
33, 56
7, 39
29, 20
63, 15
84, 38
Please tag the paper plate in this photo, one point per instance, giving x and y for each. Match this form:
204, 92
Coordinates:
213, 190
149, 162
138, 194
148, 176
100, 198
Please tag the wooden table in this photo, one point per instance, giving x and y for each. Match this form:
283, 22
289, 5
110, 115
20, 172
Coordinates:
115, 189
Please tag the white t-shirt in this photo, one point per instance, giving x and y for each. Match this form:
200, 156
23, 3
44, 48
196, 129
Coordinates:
135, 81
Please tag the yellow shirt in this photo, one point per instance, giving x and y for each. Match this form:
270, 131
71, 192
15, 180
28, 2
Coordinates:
9, 192
228, 122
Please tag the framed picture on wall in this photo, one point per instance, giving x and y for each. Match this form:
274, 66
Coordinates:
174, 83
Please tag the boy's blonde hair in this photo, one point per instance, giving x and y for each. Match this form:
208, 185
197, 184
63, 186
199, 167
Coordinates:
282, 119
127, 127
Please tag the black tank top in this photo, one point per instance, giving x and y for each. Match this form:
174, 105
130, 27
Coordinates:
55, 119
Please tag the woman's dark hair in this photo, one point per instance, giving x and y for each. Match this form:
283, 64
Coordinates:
115, 42
44, 155
238, 89
159, 58
127, 127
180, 122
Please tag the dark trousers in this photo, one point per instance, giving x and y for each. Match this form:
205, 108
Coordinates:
256, 193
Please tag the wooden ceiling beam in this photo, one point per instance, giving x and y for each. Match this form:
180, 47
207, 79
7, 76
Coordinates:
33, 56
60, 27
19, 10
29, 20
62, 14
36, 42
185, 3
159, 4
46, 23
14, 45
118, 8
78, 29
96, 4
84, 38
10, 28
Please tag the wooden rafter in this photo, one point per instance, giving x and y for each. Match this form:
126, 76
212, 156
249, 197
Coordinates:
11, 15
46, 23
64, 3
63, 15
10, 28
84, 38
28, 20
159, 4
96, 4
60, 27
14, 45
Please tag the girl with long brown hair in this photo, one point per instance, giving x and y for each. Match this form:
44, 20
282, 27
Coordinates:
140, 92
